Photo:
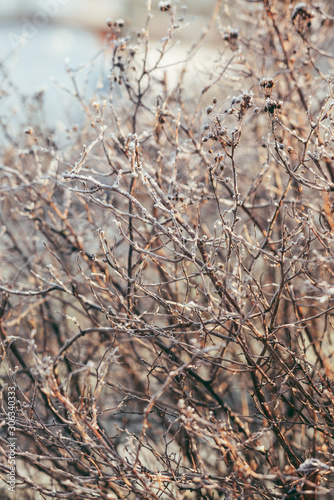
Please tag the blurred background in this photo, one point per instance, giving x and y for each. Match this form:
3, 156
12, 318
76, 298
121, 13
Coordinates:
41, 39
38, 36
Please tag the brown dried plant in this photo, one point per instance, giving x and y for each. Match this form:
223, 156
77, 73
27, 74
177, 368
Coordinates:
167, 266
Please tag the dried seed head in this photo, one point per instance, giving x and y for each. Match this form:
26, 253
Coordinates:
271, 105
231, 37
301, 17
267, 85
165, 6
241, 103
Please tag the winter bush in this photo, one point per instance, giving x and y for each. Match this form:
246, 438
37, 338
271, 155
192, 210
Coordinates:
167, 266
